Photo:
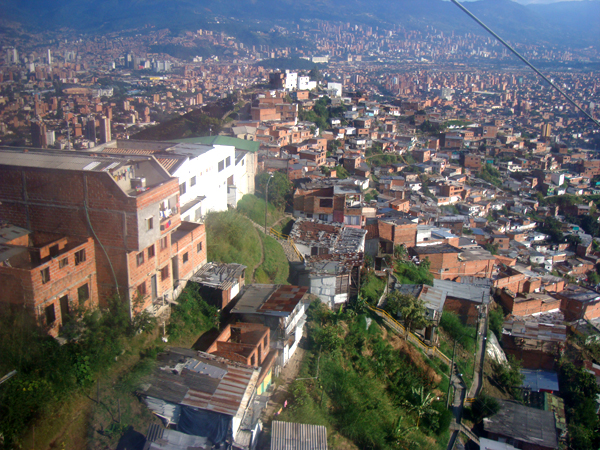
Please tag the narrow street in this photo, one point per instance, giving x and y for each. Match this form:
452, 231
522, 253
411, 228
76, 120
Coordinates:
460, 391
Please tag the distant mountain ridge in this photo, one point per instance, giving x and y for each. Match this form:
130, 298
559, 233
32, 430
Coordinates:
568, 23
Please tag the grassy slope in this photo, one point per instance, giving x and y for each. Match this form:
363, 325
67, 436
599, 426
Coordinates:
363, 387
254, 208
231, 238
275, 268
452, 328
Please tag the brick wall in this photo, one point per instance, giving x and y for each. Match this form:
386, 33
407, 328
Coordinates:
53, 201
25, 286
466, 310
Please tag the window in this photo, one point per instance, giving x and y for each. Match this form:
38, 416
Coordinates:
323, 217
83, 293
326, 203
79, 257
185, 257
182, 189
151, 252
164, 243
309, 216
221, 166
45, 275
198, 215
63, 263
193, 181
228, 161
50, 314
149, 223
141, 289
164, 273
198, 247
186, 219
140, 258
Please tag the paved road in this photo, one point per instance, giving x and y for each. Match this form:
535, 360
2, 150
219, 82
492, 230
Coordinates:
460, 390
481, 343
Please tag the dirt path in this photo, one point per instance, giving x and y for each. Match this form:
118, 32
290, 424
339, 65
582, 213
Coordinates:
288, 374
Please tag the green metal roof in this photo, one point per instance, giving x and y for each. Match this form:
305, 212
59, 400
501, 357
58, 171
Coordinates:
240, 144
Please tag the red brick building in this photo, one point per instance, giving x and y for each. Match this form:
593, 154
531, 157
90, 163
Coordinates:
247, 343
48, 274
130, 207
339, 202
452, 263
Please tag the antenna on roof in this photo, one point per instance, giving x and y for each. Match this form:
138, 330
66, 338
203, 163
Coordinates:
522, 58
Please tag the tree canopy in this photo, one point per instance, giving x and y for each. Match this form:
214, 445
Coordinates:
280, 188
411, 310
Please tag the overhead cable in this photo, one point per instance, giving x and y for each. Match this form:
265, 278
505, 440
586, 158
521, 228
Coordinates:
522, 58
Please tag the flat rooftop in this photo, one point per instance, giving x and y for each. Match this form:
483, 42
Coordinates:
270, 299
123, 169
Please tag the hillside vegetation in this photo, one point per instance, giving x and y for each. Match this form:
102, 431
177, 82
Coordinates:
232, 238
372, 387
254, 208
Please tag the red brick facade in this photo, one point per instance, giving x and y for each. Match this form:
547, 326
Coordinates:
90, 204
51, 285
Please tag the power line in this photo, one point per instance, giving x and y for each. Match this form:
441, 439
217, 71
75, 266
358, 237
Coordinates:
522, 58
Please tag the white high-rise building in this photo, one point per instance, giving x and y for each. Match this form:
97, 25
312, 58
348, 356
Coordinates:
49, 57
291, 80
12, 56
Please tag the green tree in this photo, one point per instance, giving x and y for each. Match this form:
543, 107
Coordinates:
492, 248
400, 251
280, 188
341, 172
315, 74
593, 278
412, 311
509, 375
484, 406
579, 392
422, 403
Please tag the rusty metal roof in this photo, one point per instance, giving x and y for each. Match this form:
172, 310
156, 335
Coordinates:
202, 381
284, 299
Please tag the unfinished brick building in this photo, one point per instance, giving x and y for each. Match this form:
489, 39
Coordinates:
48, 274
247, 343
329, 201
452, 263
129, 206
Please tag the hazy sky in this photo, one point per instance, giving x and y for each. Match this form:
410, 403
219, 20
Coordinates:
526, 2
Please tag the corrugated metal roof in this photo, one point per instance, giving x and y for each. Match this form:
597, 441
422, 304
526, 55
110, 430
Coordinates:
277, 300
241, 144
298, 436
540, 380
523, 424
284, 299
433, 298
219, 276
463, 291
203, 381
159, 438
169, 163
